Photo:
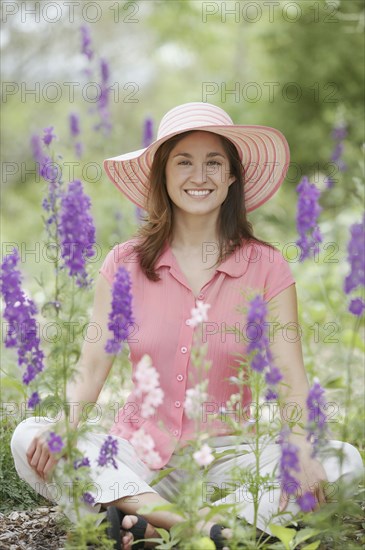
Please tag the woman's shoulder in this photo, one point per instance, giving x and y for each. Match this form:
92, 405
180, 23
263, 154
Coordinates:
124, 252
121, 254
264, 253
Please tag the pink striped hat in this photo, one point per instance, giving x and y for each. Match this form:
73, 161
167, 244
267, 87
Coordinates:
264, 153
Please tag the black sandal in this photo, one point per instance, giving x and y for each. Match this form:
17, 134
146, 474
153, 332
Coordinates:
114, 516
217, 537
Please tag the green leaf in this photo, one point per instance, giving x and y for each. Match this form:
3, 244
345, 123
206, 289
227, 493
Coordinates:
334, 383
12, 384
312, 545
284, 534
161, 475
165, 535
305, 534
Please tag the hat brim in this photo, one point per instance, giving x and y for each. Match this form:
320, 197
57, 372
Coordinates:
263, 150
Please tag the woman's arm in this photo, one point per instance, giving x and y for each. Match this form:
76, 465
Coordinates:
94, 364
92, 370
288, 357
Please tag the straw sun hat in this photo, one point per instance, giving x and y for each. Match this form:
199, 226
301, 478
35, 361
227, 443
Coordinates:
264, 153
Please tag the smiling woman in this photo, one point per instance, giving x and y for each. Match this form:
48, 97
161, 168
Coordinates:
196, 251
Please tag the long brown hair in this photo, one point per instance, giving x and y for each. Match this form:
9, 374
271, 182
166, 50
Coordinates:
233, 225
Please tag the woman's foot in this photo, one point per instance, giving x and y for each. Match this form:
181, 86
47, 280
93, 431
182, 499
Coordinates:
128, 522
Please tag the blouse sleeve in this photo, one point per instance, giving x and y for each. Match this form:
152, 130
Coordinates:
121, 255
279, 276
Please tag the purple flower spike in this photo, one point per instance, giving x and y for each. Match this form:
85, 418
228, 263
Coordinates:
88, 499
108, 451
55, 443
103, 100
257, 333
307, 502
74, 124
339, 133
48, 136
86, 42
77, 232
356, 257
105, 71
121, 316
289, 462
34, 400
317, 427
19, 310
81, 463
307, 216
357, 306
273, 376
147, 132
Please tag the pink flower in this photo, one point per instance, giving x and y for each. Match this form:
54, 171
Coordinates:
145, 448
204, 456
146, 376
194, 399
150, 403
199, 313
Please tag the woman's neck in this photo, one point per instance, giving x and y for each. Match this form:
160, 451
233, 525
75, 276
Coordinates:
194, 232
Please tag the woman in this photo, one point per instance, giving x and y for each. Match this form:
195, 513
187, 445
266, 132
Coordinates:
197, 181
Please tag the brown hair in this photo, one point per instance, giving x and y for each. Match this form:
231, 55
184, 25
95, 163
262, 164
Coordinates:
233, 225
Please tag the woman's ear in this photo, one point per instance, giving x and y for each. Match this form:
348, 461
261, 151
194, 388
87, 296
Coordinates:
231, 180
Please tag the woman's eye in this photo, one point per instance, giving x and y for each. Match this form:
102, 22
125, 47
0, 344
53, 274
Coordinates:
214, 163
184, 162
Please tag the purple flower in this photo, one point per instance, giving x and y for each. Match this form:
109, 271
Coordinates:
88, 499
81, 463
108, 451
48, 136
46, 167
86, 42
79, 149
74, 124
307, 216
289, 462
356, 257
271, 395
339, 133
120, 317
103, 99
307, 502
22, 330
55, 443
34, 400
317, 426
357, 306
77, 231
75, 131
273, 376
147, 132
257, 332
105, 71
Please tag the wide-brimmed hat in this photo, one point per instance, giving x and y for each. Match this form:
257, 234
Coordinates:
264, 153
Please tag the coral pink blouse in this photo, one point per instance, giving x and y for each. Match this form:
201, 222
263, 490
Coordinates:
161, 312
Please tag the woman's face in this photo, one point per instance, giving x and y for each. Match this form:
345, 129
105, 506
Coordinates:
198, 173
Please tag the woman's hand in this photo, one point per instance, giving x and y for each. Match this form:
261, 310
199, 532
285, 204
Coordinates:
40, 457
311, 478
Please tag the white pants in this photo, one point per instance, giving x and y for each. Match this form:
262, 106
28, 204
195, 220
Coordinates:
133, 476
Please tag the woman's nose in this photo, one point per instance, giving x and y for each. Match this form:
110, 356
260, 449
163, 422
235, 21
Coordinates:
199, 174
